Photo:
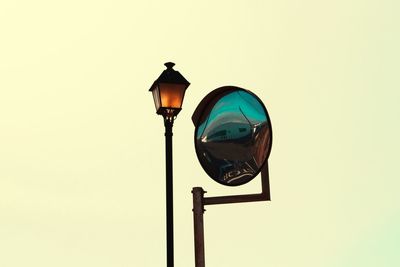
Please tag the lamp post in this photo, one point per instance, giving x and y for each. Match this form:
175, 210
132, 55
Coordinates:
168, 93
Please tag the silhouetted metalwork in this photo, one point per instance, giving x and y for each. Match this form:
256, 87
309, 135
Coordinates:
168, 93
221, 141
169, 200
198, 210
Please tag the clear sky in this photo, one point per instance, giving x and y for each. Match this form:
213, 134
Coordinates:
82, 150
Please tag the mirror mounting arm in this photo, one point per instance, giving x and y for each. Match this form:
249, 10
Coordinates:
263, 196
199, 201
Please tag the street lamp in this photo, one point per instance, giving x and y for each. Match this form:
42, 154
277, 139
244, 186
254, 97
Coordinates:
168, 93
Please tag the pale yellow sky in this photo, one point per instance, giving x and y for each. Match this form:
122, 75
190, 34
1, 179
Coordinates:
82, 150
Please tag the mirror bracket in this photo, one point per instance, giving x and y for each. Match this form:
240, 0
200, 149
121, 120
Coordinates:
265, 194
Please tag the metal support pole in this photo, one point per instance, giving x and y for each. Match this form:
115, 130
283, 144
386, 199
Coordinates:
199, 201
198, 210
168, 123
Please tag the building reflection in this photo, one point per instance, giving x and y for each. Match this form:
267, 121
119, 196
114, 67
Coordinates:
232, 144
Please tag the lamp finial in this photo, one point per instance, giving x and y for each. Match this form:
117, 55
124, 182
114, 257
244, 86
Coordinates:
169, 65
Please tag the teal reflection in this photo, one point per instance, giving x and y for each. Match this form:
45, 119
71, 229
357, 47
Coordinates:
237, 106
233, 138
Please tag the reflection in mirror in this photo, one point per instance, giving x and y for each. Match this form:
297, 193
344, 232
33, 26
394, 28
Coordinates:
233, 137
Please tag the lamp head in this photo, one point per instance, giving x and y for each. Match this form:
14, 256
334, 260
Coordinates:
168, 92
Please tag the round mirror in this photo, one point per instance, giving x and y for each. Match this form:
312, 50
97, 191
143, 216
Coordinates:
233, 135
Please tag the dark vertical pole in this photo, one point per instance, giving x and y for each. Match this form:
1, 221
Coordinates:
168, 122
198, 210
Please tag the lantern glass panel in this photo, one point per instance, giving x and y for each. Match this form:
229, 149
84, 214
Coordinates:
156, 96
172, 95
